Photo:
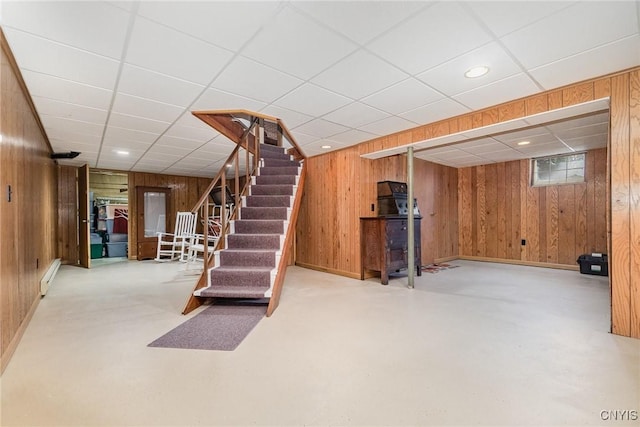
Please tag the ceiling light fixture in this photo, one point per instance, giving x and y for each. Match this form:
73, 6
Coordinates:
228, 165
325, 147
122, 152
524, 142
478, 71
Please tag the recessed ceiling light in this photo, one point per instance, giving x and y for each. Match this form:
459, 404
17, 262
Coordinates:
524, 142
476, 72
325, 147
229, 165
122, 152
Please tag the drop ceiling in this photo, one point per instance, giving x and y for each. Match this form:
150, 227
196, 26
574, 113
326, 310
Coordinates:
125, 76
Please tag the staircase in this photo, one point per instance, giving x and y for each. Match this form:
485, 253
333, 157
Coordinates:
263, 179
248, 266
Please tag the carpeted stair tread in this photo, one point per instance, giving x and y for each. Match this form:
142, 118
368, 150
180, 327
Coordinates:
235, 292
273, 162
268, 201
248, 258
263, 213
259, 226
241, 276
253, 241
275, 180
272, 190
285, 170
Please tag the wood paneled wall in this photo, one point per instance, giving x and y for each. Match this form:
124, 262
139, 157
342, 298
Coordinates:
185, 192
623, 197
28, 221
498, 208
341, 187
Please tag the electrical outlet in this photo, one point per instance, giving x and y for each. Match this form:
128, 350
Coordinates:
523, 242
373, 207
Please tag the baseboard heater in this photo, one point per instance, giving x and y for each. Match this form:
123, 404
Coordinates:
48, 276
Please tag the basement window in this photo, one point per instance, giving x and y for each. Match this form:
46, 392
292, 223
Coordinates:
556, 170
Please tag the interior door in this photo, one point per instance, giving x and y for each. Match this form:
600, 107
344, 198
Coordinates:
152, 205
83, 217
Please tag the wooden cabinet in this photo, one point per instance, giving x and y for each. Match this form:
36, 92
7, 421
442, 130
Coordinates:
383, 245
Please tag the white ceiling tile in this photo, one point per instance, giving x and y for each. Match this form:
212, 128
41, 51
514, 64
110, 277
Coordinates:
347, 17
192, 133
157, 87
355, 115
404, 96
504, 90
581, 132
588, 142
313, 100
228, 24
439, 110
213, 147
320, 128
449, 77
297, 45
172, 141
74, 126
120, 134
71, 137
137, 123
534, 140
502, 156
155, 156
103, 27
290, 118
214, 99
503, 17
191, 59
520, 135
572, 30
51, 107
66, 91
355, 77
618, 55
352, 137
240, 78
115, 153
62, 145
142, 107
120, 143
484, 145
387, 126
304, 139
454, 153
44, 56
405, 44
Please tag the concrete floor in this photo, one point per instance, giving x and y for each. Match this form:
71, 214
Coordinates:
482, 344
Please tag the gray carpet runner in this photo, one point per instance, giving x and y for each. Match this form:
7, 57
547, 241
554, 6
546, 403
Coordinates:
247, 267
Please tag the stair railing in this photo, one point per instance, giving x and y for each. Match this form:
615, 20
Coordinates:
247, 130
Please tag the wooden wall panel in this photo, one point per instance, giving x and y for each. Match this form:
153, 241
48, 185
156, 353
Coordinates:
185, 192
553, 220
634, 202
341, 187
31, 214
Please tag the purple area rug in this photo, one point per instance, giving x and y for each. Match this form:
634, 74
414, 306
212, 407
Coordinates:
219, 327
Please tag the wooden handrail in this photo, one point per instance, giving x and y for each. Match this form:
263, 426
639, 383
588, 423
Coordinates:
225, 121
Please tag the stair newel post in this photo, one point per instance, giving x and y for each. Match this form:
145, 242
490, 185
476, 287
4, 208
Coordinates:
205, 256
223, 200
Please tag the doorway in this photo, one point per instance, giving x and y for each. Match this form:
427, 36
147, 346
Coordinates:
109, 216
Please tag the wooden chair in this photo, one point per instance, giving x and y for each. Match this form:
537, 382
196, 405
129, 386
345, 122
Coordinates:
195, 252
172, 246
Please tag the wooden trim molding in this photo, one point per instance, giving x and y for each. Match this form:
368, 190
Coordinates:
520, 262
